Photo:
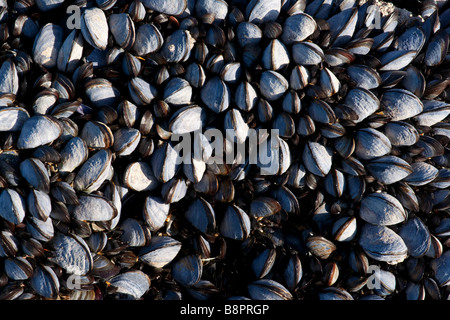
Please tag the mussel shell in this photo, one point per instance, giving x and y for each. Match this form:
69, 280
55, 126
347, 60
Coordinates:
389, 169
266, 289
235, 223
317, 159
12, 118
187, 270
382, 244
47, 44
38, 130
416, 236
160, 252
381, 209
132, 283
320, 246
117, 24
94, 172
12, 206
94, 208
72, 254
174, 8
297, 28
94, 28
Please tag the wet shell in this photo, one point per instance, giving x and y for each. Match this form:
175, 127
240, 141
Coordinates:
155, 212
117, 24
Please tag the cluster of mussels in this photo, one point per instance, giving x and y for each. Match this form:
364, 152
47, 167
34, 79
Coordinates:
94, 205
